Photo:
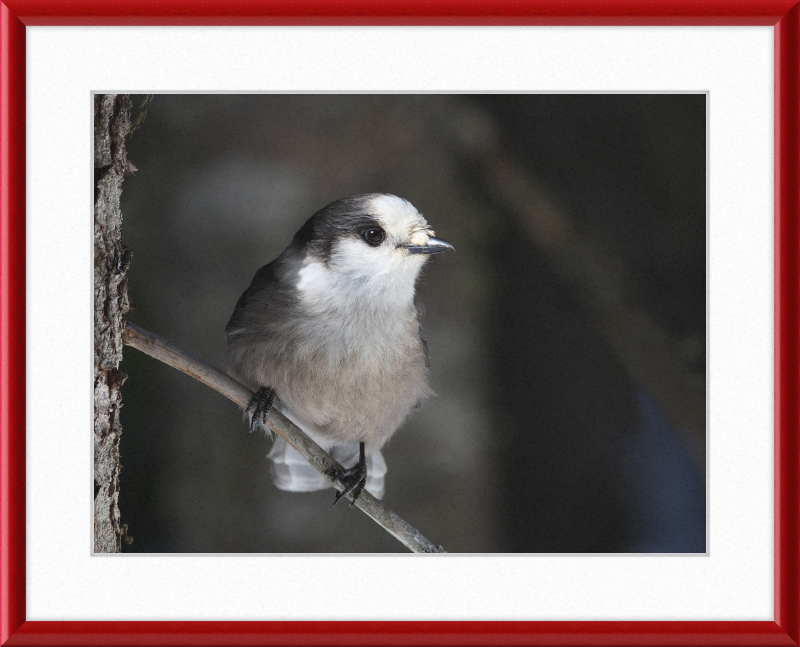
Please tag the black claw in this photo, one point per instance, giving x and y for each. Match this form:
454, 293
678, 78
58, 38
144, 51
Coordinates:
260, 404
358, 490
353, 479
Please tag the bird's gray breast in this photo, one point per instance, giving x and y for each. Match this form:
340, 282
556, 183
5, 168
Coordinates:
348, 366
354, 375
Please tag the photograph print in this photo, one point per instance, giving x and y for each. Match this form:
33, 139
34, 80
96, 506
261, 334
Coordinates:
488, 310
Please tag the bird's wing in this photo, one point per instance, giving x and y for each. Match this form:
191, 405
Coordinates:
423, 337
263, 284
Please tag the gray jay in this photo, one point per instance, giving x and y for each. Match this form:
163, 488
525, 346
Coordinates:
329, 332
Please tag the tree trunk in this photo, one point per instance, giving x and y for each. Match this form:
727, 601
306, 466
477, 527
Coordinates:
111, 259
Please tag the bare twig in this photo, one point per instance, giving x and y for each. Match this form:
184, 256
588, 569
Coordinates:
167, 352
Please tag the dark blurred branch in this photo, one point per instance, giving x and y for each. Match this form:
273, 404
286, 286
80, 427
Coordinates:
167, 352
647, 352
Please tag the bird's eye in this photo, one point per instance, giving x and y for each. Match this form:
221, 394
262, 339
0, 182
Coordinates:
374, 236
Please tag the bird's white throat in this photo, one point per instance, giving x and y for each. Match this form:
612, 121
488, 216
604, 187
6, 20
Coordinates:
361, 296
351, 283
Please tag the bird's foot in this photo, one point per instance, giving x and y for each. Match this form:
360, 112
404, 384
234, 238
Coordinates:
353, 479
260, 405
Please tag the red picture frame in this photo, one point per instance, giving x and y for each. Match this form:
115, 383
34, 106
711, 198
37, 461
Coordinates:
16, 14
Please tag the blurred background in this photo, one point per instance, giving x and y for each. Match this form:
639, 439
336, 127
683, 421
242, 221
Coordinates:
567, 333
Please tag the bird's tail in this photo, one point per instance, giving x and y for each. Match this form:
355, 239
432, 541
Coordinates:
292, 473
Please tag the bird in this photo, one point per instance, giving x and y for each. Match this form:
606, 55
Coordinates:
330, 334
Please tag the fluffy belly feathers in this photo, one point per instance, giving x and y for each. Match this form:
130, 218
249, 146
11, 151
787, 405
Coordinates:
351, 388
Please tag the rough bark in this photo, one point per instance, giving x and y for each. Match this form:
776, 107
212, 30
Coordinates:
111, 303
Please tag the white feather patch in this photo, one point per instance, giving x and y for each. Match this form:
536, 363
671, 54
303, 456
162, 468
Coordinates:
292, 473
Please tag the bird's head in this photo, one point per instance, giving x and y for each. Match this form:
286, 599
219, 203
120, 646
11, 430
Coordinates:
367, 242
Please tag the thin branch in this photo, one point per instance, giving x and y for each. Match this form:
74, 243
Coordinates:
167, 352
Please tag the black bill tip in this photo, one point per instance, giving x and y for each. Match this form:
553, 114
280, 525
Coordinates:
434, 246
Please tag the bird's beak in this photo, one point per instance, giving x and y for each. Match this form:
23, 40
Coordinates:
434, 246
